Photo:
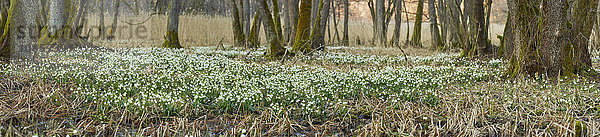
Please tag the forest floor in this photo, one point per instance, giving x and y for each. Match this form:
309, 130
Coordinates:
345, 91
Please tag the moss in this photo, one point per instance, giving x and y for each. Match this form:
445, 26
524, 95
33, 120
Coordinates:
568, 69
5, 35
302, 44
253, 37
172, 40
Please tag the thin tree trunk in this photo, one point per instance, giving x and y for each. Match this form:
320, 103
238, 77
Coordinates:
78, 18
398, 24
172, 37
253, 36
115, 19
436, 42
323, 17
380, 11
286, 21
101, 23
293, 10
443, 19
346, 39
277, 20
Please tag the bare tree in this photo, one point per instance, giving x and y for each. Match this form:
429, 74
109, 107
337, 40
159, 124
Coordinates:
346, 39
238, 32
276, 50
117, 4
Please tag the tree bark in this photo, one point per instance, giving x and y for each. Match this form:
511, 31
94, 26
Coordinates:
276, 50
115, 24
436, 42
101, 30
584, 17
416, 38
346, 39
398, 24
481, 39
293, 10
316, 36
303, 30
172, 36
238, 32
57, 17
380, 20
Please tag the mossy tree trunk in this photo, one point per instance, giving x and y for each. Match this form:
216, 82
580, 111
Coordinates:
302, 44
172, 36
507, 40
253, 36
584, 19
238, 33
436, 41
545, 42
276, 50
316, 37
57, 19
416, 37
6, 8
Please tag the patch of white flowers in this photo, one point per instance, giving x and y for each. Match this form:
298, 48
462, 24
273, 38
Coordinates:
207, 78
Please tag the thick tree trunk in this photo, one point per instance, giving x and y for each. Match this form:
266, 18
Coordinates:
443, 21
416, 38
172, 36
276, 50
346, 39
238, 32
57, 17
436, 42
302, 44
584, 17
277, 20
479, 18
508, 38
286, 21
323, 18
248, 17
554, 17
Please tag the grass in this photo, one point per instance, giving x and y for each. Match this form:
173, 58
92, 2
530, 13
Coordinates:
202, 91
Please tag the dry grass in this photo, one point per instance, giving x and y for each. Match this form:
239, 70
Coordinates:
202, 30
32, 107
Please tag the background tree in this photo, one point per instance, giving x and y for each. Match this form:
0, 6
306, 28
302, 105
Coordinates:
113, 30
345, 38
483, 48
172, 36
101, 19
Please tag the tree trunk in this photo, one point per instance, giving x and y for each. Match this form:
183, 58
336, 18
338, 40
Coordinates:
101, 30
436, 42
316, 37
276, 50
346, 39
76, 27
277, 20
253, 36
172, 36
584, 18
380, 32
398, 24
323, 17
113, 30
481, 40
247, 15
443, 19
303, 30
507, 39
57, 17
416, 38
23, 28
286, 21
293, 7
238, 32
